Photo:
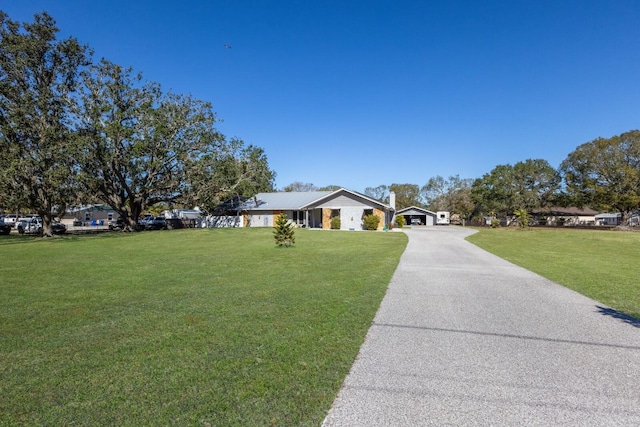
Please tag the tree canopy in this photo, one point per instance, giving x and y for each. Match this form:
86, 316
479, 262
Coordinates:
525, 185
407, 195
38, 76
605, 173
452, 195
73, 132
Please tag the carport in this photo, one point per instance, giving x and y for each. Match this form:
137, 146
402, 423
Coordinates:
413, 214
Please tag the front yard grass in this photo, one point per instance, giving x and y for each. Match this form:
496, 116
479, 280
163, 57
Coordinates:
602, 265
185, 327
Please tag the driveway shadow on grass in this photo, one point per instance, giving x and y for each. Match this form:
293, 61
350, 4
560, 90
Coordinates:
605, 311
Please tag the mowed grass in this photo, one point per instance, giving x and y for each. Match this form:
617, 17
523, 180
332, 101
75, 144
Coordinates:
602, 265
185, 327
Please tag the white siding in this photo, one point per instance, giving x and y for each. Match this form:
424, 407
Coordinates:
351, 218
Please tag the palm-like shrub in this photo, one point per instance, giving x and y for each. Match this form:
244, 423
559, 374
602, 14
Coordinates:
522, 217
283, 231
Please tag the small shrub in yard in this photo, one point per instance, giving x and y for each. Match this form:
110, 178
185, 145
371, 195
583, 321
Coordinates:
523, 217
283, 231
371, 222
400, 221
495, 223
335, 223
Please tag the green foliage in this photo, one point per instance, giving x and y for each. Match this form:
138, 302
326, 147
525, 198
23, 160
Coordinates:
529, 184
219, 330
380, 193
400, 221
406, 195
452, 195
284, 231
605, 173
371, 222
38, 78
335, 223
495, 222
523, 217
552, 254
74, 133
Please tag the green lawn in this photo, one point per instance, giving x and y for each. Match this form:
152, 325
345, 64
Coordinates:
185, 327
602, 265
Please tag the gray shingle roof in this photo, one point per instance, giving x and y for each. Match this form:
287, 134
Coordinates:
282, 201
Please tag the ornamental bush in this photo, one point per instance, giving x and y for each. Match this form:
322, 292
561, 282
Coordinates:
371, 222
400, 220
283, 231
335, 223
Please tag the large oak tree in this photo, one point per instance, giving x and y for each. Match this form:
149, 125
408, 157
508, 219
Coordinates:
605, 173
38, 75
523, 186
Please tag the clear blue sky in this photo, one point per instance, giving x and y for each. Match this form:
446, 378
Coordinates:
364, 93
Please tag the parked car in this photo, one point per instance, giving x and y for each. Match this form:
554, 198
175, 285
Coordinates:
10, 219
155, 223
34, 226
58, 227
5, 227
29, 226
416, 221
117, 224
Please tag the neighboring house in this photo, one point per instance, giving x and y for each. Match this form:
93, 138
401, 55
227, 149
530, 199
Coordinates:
571, 216
609, 218
314, 209
414, 215
88, 215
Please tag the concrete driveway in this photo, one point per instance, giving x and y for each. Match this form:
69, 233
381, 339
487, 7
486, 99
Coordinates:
463, 337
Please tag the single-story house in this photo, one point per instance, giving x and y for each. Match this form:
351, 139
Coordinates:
87, 215
414, 215
314, 209
609, 218
571, 216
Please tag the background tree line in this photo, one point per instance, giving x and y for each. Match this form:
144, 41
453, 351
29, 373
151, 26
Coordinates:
603, 174
76, 131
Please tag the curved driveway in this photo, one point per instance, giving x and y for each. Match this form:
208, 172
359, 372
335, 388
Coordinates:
463, 337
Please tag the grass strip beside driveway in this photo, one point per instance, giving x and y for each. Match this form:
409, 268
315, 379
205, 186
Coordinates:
602, 265
185, 327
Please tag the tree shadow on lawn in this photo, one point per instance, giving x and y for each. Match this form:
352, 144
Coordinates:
605, 311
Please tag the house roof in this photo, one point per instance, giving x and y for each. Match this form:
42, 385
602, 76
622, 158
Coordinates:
292, 200
609, 215
297, 200
333, 194
415, 210
90, 208
568, 211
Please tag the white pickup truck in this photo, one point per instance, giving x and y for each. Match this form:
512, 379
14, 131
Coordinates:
34, 226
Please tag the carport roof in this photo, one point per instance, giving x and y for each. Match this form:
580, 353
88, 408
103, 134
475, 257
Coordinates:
415, 210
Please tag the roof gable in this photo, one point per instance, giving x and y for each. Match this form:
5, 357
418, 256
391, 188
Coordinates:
415, 210
350, 194
301, 200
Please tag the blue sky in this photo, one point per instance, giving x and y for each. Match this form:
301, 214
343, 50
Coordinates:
364, 93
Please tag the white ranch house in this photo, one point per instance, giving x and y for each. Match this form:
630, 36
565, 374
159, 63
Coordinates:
314, 209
